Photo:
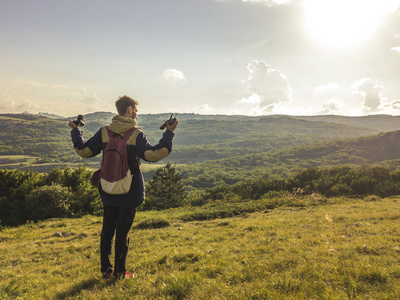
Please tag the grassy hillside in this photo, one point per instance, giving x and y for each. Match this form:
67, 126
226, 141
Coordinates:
343, 249
198, 139
215, 149
378, 149
49, 138
36, 136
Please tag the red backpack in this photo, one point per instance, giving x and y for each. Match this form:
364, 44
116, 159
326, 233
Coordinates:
115, 175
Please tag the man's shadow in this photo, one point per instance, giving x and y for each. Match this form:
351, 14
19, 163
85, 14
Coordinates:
89, 284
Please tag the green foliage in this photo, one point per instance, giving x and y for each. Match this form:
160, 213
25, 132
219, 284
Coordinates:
23, 190
223, 137
165, 190
86, 200
328, 182
286, 160
26, 195
347, 180
226, 151
49, 202
14, 186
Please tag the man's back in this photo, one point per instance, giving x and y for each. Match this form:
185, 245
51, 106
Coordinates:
137, 147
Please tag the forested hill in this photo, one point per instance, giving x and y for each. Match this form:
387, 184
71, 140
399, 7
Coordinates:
382, 123
215, 148
380, 149
49, 139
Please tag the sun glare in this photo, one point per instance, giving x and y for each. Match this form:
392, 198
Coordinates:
345, 23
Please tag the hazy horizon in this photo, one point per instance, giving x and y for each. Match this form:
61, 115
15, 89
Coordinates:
167, 113
226, 57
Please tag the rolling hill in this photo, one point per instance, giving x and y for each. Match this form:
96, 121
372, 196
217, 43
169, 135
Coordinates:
378, 149
211, 150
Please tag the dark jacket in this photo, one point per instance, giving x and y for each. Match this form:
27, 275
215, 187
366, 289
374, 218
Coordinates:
138, 146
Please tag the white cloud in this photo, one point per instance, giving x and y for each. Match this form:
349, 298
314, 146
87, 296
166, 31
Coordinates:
395, 105
253, 99
332, 106
326, 89
205, 108
33, 96
372, 93
270, 2
16, 104
45, 84
396, 49
173, 75
268, 87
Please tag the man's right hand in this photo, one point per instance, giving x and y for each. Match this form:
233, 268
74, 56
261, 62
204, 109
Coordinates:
72, 124
173, 126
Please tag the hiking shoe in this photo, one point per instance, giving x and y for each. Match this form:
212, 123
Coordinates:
127, 275
109, 273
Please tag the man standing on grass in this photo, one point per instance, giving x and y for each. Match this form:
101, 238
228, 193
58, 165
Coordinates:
120, 210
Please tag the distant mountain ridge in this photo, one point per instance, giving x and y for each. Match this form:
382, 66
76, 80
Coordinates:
383, 122
380, 123
50, 116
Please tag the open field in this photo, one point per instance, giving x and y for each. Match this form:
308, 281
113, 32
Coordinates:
36, 163
33, 163
344, 249
17, 159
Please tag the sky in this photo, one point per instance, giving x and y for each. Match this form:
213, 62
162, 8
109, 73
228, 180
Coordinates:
231, 57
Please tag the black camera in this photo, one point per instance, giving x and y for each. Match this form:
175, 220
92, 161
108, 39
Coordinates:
170, 122
79, 121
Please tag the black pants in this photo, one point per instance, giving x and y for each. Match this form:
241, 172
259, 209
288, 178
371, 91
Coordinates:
116, 220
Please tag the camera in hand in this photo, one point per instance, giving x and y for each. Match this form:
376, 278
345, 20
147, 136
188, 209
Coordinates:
79, 121
170, 122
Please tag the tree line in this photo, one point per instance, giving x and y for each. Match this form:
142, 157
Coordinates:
353, 181
26, 195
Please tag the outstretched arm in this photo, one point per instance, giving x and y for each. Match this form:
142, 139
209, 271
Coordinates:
164, 147
85, 149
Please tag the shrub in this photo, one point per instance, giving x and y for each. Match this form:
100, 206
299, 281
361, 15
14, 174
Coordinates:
86, 200
49, 202
152, 224
165, 190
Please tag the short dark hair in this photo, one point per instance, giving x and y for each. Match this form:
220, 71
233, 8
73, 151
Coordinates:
123, 103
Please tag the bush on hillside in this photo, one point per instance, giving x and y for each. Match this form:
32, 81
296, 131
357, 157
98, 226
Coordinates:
153, 224
49, 202
16, 199
165, 190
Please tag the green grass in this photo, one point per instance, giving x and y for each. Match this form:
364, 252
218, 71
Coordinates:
17, 159
345, 249
34, 163
23, 162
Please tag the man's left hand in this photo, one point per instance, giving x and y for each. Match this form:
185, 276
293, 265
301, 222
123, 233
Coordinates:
173, 126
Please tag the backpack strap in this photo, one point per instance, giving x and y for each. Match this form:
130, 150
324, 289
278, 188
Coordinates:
110, 133
125, 137
127, 134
